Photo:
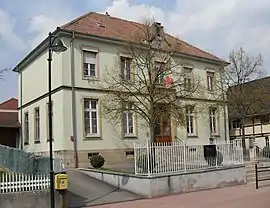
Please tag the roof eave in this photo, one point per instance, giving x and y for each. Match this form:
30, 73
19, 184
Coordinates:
39, 48
122, 41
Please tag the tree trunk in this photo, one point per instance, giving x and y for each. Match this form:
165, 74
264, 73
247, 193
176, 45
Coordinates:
243, 138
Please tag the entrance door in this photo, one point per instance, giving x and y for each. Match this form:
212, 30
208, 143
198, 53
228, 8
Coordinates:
163, 130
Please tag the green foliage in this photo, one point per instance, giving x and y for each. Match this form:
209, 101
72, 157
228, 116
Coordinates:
213, 161
266, 152
142, 162
97, 161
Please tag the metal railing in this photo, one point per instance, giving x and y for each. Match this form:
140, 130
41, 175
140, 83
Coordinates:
163, 158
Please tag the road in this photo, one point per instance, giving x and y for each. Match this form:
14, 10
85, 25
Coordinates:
84, 191
231, 197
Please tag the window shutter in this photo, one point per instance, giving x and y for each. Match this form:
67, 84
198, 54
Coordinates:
90, 57
122, 67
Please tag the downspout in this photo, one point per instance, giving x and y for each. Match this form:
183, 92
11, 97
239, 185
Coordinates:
21, 112
224, 110
73, 100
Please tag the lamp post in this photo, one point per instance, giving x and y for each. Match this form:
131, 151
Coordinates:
56, 45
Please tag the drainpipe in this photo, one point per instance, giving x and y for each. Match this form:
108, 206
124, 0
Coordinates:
224, 110
73, 100
21, 112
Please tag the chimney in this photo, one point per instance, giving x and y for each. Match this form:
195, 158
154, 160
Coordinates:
107, 14
157, 29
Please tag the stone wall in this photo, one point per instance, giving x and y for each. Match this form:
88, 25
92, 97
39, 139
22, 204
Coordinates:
156, 186
37, 199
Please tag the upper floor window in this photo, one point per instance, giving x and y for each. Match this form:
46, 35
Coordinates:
37, 125
89, 64
160, 72
187, 78
210, 81
91, 116
26, 128
48, 117
126, 68
213, 120
128, 119
190, 119
235, 124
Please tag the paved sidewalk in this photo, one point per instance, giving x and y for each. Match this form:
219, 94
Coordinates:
231, 197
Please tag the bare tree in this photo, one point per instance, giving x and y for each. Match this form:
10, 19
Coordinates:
149, 80
2, 71
244, 96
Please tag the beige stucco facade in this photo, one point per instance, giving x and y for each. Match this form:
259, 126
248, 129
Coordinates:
33, 79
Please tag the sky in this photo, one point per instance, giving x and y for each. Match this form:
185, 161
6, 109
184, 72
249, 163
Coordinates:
215, 26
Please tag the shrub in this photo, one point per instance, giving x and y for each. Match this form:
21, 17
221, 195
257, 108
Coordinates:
266, 152
142, 162
213, 161
97, 161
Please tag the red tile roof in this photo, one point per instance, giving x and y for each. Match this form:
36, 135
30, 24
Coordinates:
120, 29
9, 119
11, 104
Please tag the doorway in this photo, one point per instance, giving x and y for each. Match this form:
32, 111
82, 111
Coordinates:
163, 129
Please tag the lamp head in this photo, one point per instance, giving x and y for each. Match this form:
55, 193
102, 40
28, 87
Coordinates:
58, 46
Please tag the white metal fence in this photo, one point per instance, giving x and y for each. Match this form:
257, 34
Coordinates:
164, 158
18, 182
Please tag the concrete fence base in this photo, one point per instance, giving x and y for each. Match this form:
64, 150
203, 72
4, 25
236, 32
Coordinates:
38, 199
156, 186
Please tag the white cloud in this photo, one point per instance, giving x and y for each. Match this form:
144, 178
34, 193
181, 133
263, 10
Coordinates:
7, 34
41, 25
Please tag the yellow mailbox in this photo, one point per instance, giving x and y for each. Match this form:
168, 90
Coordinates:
61, 181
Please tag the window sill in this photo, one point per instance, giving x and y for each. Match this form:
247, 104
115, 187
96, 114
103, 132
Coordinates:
130, 137
91, 78
92, 137
49, 140
215, 135
26, 143
192, 136
37, 142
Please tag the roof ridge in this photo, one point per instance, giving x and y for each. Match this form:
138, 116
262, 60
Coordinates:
13, 98
76, 19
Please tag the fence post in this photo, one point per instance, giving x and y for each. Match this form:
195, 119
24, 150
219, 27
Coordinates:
256, 175
148, 158
135, 158
185, 166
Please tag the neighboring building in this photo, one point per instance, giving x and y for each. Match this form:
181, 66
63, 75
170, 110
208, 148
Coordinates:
9, 123
94, 43
257, 123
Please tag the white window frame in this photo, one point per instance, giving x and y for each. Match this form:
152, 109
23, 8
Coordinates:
26, 128
210, 80
126, 118
91, 110
191, 120
37, 124
124, 69
88, 68
213, 118
187, 76
160, 78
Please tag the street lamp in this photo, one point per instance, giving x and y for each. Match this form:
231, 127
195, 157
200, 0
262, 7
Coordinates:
56, 45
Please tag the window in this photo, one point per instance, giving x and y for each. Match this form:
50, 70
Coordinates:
37, 125
128, 119
190, 120
126, 68
267, 141
91, 116
187, 78
213, 120
129, 154
92, 154
160, 72
26, 128
236, 124
48, 115
210, 81
90, 64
